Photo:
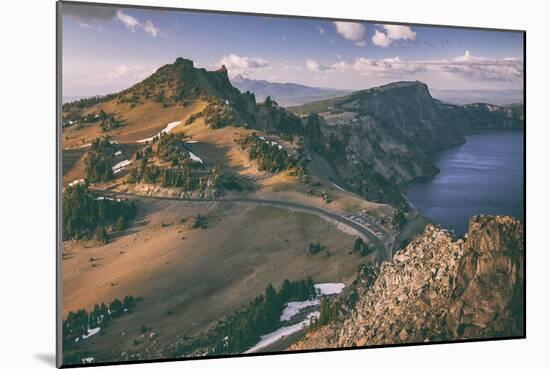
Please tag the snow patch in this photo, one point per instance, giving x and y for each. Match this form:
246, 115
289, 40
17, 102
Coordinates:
338, 187
168, 128
91, 332
329, 288
324, 289
282, 332
119, 166
194, 157
106, 198
76, 182
294, 307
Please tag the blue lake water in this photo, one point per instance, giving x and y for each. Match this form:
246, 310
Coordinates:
482, 176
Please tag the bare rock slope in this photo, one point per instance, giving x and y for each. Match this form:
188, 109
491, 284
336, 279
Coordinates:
436, 289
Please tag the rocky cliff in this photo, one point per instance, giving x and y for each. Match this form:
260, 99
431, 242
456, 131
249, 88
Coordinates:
436, 289
378, 140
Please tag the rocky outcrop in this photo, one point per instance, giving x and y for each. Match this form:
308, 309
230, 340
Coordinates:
153, 190
437, 289
488, 294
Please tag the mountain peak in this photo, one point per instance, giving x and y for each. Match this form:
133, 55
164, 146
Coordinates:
403, 85
184, 62
222, 70
239, 78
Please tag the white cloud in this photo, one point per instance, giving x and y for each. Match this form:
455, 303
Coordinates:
236, 64
351, 31
465, 66
320, 29
380, 39
389, 33
132, 23
150, 28
312, 65
387, 67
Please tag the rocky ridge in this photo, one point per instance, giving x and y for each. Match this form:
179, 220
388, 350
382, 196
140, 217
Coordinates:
436, 289
378, 140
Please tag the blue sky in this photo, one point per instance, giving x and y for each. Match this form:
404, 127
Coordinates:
106, 49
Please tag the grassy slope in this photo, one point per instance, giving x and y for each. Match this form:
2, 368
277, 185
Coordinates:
204, 276
139, 122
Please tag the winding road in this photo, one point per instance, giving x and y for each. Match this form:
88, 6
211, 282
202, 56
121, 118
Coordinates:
364, 231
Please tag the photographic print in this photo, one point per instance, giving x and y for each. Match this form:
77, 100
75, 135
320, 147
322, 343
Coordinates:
241, 184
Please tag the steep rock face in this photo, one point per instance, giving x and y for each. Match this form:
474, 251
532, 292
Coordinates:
481, 115
380, 139
272, 118
437, 289
408, 109
487, 299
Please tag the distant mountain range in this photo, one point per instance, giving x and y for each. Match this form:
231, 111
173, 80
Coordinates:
286, 94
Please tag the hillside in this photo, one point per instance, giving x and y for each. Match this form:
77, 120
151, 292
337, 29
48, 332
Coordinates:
182, 170
176, 92
287, 94
436, 289
372, 142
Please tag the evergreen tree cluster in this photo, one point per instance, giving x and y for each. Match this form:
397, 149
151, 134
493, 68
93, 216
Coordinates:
270, 157
150, 173
97, 164
218, 114
361, 247
87, 102
329, 311
108, 121
84, 214
77, 323
76, 118
171, 149
193, 117
399, 219
244, 327
314, 248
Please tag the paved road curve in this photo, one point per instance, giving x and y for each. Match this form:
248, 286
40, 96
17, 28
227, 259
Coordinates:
383, 255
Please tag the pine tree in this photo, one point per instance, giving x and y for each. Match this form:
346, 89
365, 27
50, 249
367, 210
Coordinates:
120, 223
101, 235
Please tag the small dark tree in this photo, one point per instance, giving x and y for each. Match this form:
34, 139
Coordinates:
101, 235
120, 223
314, 248
399, 219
